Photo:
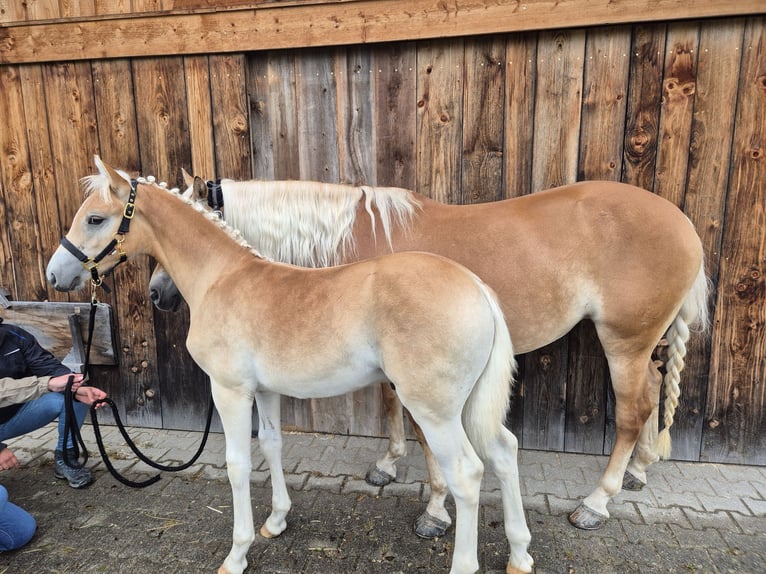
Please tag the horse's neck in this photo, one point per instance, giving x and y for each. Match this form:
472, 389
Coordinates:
193, 250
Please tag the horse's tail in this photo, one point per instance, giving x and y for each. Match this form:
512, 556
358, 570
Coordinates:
693, 314
487, 405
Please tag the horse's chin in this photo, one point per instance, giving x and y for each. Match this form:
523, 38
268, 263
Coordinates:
75, 284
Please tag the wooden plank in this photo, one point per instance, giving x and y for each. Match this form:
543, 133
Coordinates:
24, 251
288, 25
276, 141
48, 322
231, 125
73, 138
601, 136
317, 116
483, 120
735, 429
560, 62
705, 202
274, 115
440, 69
118, 137
395, 122
156, 357
643, 105
200, 112
520, 86
9, 82
356, 149
356, 140
678, 87
41, 163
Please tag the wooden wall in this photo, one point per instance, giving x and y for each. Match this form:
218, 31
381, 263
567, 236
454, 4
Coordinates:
677, 107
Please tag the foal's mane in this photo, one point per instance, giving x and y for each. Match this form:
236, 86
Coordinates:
310, 223
100, 184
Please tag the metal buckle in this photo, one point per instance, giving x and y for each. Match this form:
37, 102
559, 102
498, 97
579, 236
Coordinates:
129, 211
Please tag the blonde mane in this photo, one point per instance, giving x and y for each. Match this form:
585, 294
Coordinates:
309, 223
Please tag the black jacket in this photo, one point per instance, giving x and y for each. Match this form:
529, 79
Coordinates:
22, 356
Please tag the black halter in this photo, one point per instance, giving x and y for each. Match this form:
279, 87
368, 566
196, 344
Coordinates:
91, 264
215, 195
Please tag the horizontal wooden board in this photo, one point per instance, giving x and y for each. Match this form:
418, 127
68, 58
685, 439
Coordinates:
287, 25
48, 322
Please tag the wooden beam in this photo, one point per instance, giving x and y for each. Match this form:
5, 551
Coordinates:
335, 22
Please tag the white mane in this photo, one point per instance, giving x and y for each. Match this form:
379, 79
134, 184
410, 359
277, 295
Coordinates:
310, 223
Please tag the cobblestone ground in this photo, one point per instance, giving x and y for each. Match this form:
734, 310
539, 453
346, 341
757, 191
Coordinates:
692, 518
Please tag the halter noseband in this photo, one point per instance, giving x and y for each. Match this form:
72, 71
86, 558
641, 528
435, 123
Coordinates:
91, 264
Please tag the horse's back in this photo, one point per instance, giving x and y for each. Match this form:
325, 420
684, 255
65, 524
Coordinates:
594, 249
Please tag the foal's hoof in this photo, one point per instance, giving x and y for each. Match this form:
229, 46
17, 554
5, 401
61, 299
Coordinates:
630, 482
377, 477
265, 532
587, 518
427, 526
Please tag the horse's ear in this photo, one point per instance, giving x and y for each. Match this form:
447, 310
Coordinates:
188, 179
200, 189
118, 184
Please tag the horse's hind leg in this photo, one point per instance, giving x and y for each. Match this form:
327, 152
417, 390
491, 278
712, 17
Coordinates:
502, 457
633, 405
384, 471
236, 416
462, 471
270, 439
645, 453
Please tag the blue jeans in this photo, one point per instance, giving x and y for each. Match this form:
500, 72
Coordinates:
37, 413
16, 525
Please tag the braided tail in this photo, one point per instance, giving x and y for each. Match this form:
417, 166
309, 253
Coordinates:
693, 312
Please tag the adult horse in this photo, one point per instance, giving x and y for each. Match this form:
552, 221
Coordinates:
628, 260
261, 329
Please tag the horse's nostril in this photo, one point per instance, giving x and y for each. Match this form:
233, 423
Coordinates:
154, 295
52, 279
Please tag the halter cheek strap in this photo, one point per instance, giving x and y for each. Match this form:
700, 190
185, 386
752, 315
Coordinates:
215, 195
91, 264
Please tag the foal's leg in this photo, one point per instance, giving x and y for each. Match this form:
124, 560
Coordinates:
645, 453
633, 406
463, 471
503, 459
384, 471
236, 416
270, 439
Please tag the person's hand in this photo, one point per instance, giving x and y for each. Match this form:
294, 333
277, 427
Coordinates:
89, 395
8, 460
58, 384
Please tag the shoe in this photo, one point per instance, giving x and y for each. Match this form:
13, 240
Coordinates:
77, 477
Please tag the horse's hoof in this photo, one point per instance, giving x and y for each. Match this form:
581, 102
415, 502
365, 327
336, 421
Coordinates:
265, 533
587, 518
511, 570
630, 482
427, 526
377, 477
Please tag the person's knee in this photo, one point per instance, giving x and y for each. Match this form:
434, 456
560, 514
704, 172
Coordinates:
17, 526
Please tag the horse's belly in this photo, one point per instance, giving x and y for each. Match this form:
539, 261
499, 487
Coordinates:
307, 385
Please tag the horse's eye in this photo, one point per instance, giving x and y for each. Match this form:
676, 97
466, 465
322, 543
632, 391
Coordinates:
95, 220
